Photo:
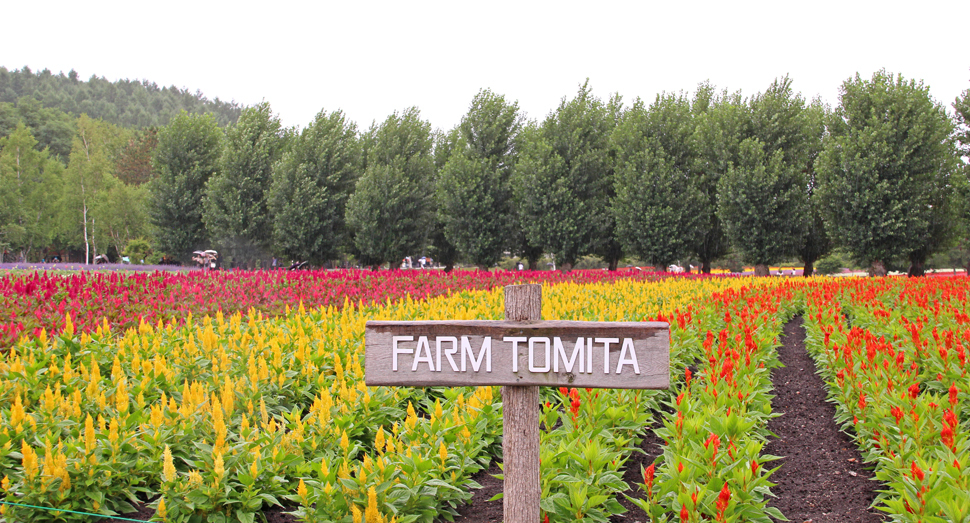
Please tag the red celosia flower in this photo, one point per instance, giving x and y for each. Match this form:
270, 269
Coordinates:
754, 467
862, 401
950, 418
946, 436
648, 477
914, 390
897, 413
917, 472
680, 467
723, 498
684, 515
953, 394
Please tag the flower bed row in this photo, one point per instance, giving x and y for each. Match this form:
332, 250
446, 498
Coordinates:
894, 356
712, 466
34, 301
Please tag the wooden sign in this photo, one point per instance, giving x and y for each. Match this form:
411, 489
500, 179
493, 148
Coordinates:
521, 353
616, 355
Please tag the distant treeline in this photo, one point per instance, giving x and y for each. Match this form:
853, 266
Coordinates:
127, 103
684, 178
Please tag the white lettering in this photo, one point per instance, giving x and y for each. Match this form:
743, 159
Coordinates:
395, 350
632, 360
418, 358
532, 346
568, 363
606, 351
467, 354
448, 352
589, 357
515, 350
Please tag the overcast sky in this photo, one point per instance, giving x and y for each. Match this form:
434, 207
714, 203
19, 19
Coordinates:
372, 58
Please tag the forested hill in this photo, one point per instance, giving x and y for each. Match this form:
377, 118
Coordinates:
127, 103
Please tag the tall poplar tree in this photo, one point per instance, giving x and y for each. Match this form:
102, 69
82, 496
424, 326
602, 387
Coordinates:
391, 212
186, 157
717, 140
236, 208
474, 191
310, 188
884, 170
565, 179
658, 210
763, 205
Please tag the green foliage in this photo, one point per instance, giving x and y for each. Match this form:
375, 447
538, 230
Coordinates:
310, 187
721, 126
28, 178
87, 182
474, 190
127, 103
52, 128
392, 209
763, 205
830, 264
884, 169
658, 211
185, 158
138, 250
565, 179
236, 208
961, 107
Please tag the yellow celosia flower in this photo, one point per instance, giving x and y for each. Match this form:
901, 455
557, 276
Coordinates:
68, 326
379, 440
355, 513
443, 453
302, 492
160, 510
29, 460
219, 468
372, 514
89, 436
168, 465
113, 431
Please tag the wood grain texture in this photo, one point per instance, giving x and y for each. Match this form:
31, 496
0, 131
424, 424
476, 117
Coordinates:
520, 411
545, 353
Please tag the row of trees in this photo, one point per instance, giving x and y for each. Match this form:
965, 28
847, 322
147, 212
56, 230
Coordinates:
685, 178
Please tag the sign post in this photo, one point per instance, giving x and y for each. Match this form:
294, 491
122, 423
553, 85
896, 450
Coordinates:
520, 353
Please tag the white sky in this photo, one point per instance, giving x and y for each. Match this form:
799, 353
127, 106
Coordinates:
372, 58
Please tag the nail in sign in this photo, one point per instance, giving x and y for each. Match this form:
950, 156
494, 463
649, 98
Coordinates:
616, 355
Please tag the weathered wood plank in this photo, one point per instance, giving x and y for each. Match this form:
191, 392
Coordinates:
617, 355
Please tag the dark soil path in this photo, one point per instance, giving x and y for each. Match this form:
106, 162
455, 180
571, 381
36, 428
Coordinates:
821, 478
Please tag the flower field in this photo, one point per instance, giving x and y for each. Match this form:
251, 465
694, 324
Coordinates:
32, 301
218, 399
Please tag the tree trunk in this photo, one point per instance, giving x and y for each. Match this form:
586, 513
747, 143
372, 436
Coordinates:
706, 266
450, 266
567, 267
376, 267
533, 264
916, 269
614, 264
809, 269
878, 268
87, 245
761, 270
